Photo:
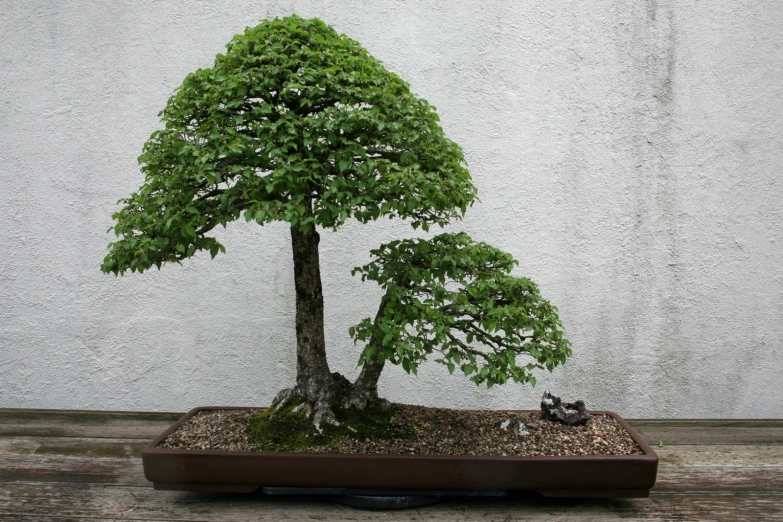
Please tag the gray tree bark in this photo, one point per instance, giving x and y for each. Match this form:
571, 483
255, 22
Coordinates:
312, 368
315, 384
365, 389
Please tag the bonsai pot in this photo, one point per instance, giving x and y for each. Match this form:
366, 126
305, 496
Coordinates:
599, 476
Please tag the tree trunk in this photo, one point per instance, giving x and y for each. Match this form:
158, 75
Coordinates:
312, 370
365, 389
368, 378
315, 385
366, 385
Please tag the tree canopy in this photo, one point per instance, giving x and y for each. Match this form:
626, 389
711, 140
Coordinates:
295, 122
457, 298
300, 124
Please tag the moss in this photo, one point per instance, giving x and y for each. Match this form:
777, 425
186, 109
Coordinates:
294, 431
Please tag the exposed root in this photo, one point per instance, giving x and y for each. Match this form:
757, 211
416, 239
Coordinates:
284, 398
305, 407
363, 399
324, 415
316, 401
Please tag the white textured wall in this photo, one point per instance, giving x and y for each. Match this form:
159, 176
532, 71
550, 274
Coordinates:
627, 153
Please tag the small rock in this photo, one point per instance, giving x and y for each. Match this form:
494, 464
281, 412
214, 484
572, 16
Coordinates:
569, 413
513, 425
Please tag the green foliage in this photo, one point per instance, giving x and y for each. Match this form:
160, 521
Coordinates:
298, 123
295, 123
456, 297
289, 430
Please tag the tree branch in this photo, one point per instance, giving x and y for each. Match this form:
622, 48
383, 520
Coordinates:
496, 342
466, 347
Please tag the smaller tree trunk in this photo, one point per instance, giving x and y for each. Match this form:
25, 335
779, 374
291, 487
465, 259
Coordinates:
367, 382
365, 389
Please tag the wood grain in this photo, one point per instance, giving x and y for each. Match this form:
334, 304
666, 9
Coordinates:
127, 503
745, 455
70, 470
115, 429
682, 478
72, 447
710, 435
18, 415
707, 423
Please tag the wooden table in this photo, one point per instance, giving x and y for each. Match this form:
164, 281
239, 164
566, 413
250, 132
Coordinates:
60, 465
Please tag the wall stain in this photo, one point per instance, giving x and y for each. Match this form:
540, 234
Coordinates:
652, 9
658, 355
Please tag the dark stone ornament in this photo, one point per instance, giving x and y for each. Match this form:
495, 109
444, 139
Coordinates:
569, 413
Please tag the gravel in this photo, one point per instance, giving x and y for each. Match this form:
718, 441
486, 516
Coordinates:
438, 431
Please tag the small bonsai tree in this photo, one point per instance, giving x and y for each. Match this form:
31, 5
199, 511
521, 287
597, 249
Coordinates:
297, 123
446, 293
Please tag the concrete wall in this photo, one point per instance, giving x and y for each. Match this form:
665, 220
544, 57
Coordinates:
627, 153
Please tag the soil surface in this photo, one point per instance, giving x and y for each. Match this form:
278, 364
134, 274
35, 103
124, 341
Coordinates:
434, 431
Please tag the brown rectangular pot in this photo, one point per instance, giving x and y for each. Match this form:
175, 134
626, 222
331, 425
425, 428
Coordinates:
237, 471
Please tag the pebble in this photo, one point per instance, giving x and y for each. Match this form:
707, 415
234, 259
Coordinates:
439, 431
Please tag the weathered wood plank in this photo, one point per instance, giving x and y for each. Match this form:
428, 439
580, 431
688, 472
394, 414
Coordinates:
53, 467
19, 415
680, 454
95, 424
91, 501
115, 430
129, 472
54, 518
708, 423
745, 455
34, 468
694, 454
705, 435
727, 479
141, 425
72, 447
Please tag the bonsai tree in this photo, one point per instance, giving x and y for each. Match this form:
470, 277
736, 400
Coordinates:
300, 124
444, 294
